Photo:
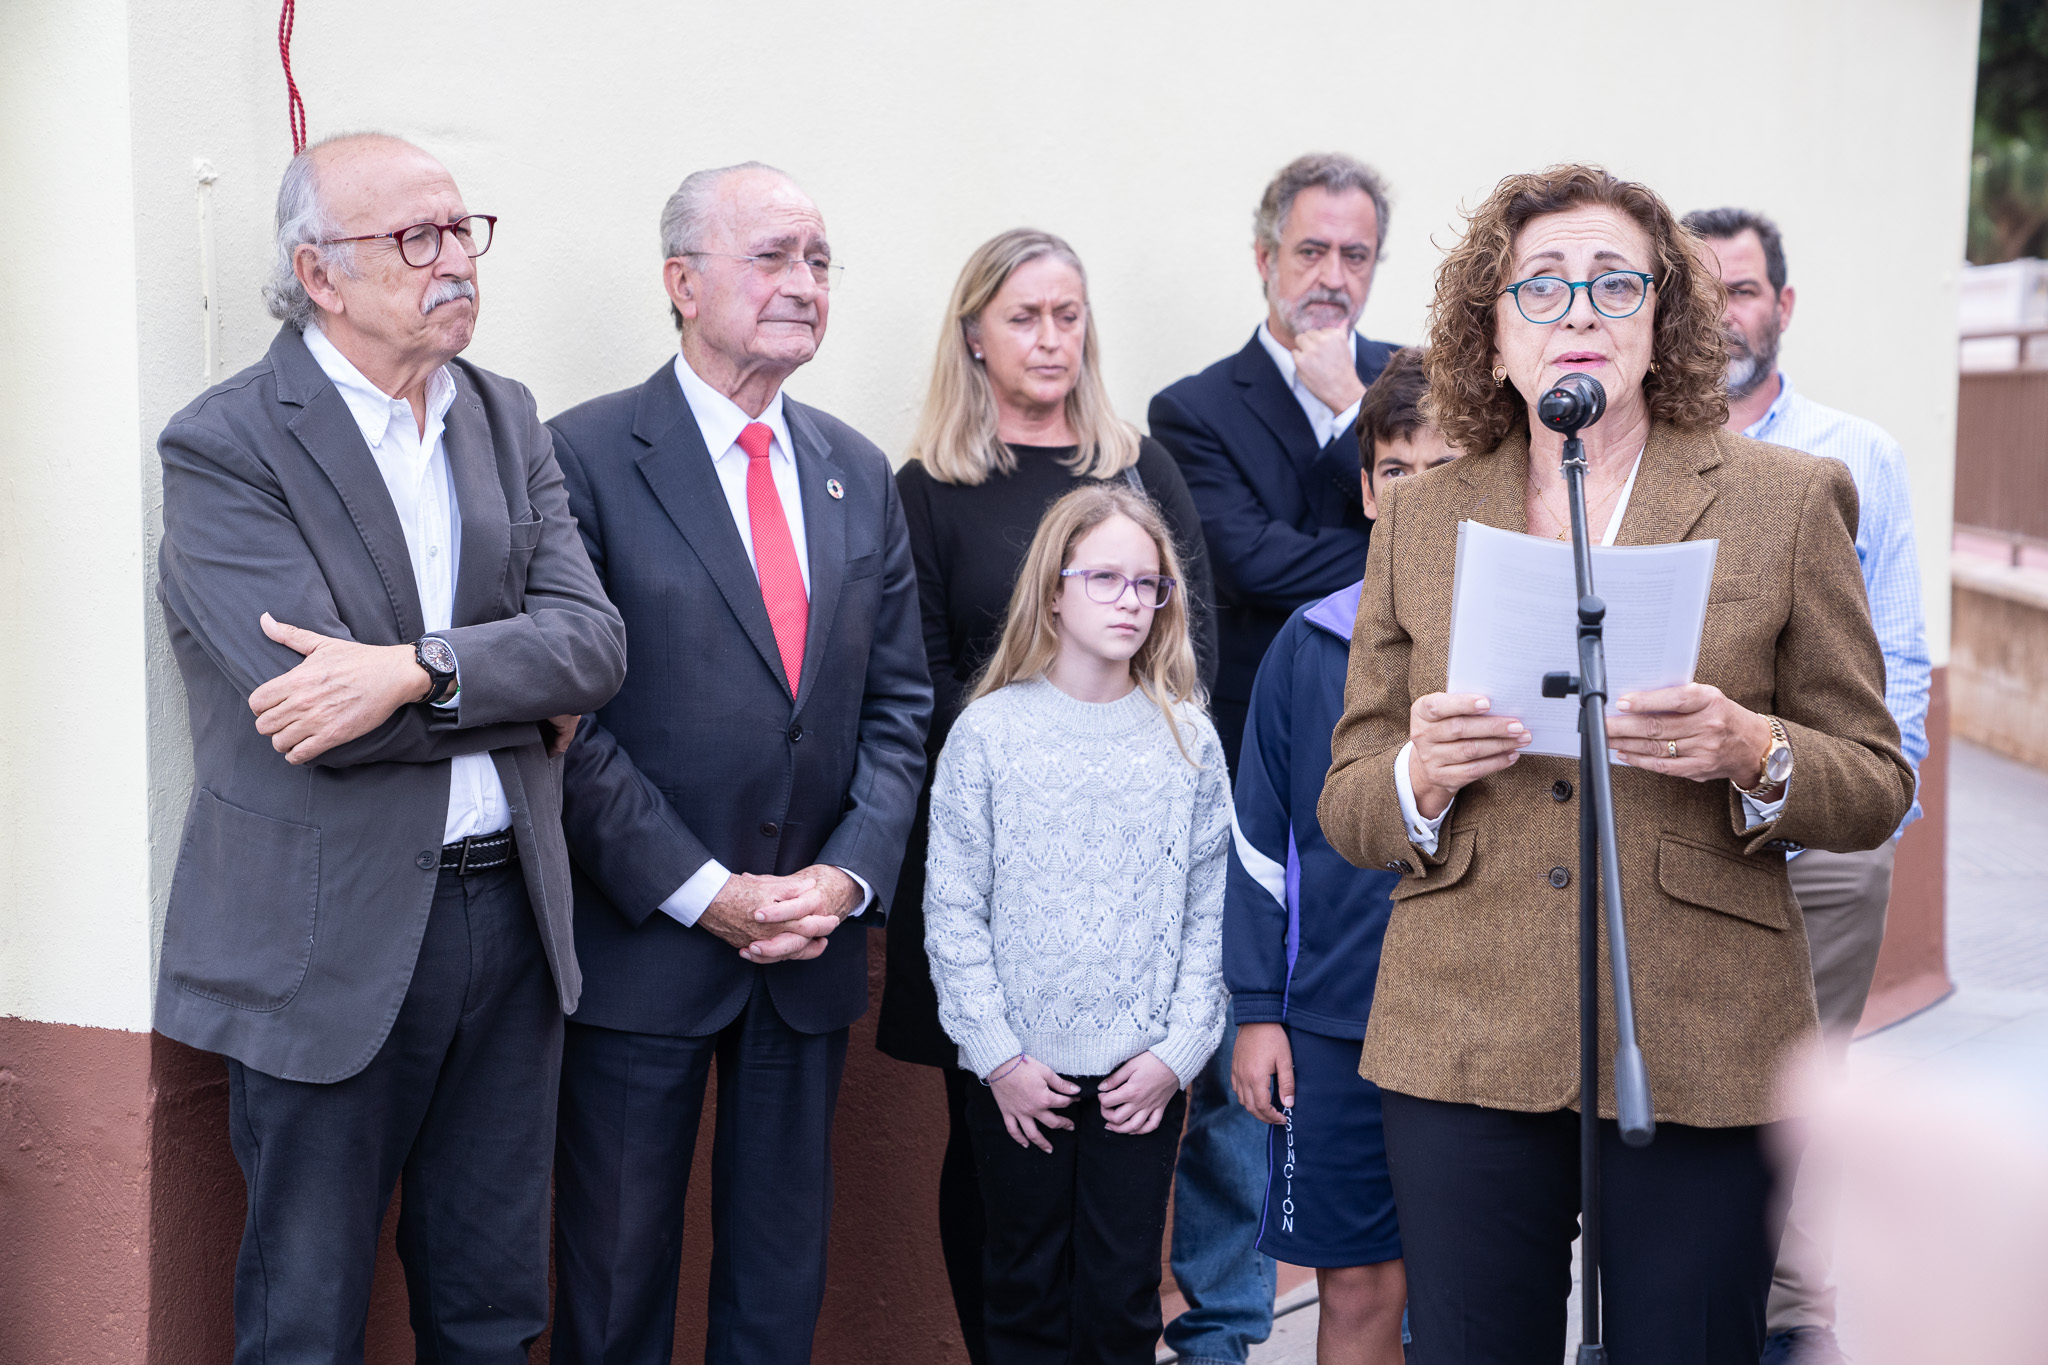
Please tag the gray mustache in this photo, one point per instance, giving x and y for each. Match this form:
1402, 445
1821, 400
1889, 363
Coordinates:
447, 291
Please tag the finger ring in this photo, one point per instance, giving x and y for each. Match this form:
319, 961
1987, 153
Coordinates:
1671, 748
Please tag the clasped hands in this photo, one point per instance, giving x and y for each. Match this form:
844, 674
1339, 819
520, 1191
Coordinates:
342, 690
782, 919
1031, 1094
1458, 740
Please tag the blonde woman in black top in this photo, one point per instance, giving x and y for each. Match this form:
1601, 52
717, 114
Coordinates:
1016, 415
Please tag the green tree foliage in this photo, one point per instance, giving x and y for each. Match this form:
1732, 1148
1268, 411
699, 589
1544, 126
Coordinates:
2009, 165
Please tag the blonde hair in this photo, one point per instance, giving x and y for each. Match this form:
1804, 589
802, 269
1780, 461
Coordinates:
1163, 667
956, 433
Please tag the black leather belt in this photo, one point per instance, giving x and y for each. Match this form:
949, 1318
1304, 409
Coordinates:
480, 852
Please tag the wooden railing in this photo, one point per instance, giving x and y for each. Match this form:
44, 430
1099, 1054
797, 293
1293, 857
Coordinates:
2002, 444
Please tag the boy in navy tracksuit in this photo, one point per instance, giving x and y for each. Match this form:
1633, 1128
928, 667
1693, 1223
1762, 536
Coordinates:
1301, 946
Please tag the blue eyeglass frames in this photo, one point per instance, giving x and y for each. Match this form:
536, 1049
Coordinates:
1615, 294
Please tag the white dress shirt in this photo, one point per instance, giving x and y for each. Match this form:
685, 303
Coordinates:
721, 421
1328, 423
1423, 831
415, 470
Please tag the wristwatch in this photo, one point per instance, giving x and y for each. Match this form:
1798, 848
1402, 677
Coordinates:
1777, 764
437, 657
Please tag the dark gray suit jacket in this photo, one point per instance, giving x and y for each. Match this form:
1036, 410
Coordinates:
703, 753
301, 893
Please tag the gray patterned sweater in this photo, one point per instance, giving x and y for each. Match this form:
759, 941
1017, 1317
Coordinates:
1074, 890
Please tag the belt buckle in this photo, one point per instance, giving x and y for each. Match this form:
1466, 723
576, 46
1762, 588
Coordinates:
462, 859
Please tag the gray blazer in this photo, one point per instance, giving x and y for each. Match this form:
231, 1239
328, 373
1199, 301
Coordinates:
301, 893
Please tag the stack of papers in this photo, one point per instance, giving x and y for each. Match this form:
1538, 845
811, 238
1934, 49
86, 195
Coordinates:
1514, 617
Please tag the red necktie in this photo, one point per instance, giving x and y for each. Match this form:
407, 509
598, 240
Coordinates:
782, 579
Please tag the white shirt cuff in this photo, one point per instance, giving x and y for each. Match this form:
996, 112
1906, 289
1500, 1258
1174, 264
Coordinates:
1346, 418
1421, 831
867, 893
687, 905
688, 902
1761, 812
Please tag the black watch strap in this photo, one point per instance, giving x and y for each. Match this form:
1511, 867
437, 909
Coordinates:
438, 662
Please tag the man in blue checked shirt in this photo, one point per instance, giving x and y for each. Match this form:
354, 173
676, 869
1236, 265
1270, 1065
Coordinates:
1842, 895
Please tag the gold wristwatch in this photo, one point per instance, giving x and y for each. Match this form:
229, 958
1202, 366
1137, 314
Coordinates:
1777, 764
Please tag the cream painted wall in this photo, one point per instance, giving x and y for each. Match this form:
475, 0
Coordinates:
74, 809
1143, 131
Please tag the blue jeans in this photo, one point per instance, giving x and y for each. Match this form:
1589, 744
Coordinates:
1217, 1196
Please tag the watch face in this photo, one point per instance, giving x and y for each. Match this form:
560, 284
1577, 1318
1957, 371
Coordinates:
438, 655
1778, 766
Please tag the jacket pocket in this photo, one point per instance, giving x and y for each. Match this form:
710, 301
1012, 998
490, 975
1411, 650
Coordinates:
1726, 882
524, 535
243, 902
1436, 876
863, 566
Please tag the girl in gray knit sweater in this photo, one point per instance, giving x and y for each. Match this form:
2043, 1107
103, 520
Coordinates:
1073, 915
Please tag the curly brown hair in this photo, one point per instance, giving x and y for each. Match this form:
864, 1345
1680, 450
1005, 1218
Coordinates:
1687, 383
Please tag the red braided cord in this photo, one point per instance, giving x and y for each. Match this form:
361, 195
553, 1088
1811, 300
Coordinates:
295, 108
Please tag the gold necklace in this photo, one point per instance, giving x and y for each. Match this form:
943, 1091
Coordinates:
1563, 524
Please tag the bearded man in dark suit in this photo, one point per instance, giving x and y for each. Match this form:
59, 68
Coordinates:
1268, 441
750, 788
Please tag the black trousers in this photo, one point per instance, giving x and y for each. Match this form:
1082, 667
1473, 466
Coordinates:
631, 1103
963, 1228
461, 1098
1489, 1203
1071, 1271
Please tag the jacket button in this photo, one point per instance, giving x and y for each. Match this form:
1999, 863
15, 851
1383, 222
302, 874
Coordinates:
1401, 865
429, 860
796, 732
768, 829
1560, 878
1560, 790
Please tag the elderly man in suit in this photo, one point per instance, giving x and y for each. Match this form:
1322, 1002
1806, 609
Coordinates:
377, 599
749, 789
1267, 439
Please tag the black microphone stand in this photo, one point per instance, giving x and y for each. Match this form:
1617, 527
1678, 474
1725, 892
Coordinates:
1599, 874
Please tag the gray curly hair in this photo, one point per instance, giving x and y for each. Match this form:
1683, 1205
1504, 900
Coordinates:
1335, 173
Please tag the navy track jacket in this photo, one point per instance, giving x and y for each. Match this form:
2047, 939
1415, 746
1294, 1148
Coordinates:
1302, 928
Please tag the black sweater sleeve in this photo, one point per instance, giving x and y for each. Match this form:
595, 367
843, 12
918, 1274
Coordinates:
1169, 490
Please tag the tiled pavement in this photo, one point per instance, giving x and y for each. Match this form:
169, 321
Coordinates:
1995, 1025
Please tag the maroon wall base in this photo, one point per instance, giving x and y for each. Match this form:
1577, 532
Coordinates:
121, 1210
74, 1194
1912, 967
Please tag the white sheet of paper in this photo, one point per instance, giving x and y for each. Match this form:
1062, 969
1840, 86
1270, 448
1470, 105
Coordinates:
1514, 617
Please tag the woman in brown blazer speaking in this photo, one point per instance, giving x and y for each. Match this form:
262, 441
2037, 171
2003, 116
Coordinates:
1783, 741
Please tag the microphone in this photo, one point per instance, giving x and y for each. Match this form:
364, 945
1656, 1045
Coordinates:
1575, 401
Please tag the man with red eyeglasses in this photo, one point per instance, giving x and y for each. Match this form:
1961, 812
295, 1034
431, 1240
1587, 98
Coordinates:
387, 625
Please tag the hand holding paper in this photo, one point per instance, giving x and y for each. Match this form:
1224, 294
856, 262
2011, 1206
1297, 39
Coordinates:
1514, 618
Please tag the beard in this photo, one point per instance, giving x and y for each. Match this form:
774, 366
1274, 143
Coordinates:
1751, 362
1310, 311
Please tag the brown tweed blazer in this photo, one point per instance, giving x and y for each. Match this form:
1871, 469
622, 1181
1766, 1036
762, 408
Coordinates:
1478, 998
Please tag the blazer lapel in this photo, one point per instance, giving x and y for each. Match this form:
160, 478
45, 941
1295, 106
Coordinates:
1272, 402
1498, 484
678, 468
480, 503
824, 534
328, 431
1670, 496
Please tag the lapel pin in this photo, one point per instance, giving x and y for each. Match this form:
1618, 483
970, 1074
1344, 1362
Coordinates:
835, 488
